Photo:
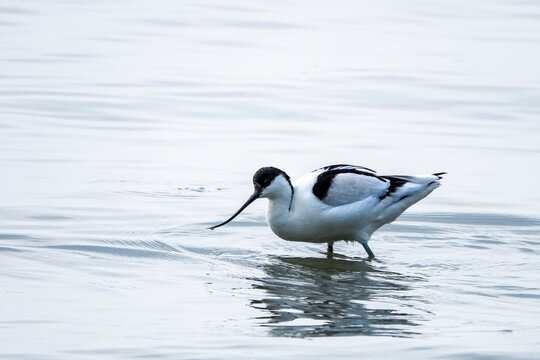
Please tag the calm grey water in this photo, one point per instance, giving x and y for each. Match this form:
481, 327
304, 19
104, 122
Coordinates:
128, 127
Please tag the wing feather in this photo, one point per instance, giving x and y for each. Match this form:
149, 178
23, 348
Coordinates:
341, 186
402, 186
338, 185
344, 167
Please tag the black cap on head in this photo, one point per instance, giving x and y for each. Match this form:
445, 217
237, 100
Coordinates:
264, 176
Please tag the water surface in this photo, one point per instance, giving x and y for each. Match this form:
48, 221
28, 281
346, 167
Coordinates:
128, 128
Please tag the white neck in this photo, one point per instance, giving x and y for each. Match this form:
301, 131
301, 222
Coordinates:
279, 209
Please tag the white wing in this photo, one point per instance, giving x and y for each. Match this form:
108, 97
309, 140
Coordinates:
340, 186
345, 184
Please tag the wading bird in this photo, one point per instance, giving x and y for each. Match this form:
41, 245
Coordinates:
337, 202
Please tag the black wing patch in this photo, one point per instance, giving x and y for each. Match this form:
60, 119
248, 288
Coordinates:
324, 180
395, 183
344, 167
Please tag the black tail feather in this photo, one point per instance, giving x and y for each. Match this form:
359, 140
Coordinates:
439, 174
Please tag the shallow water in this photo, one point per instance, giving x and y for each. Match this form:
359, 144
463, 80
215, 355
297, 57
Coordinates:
128, 128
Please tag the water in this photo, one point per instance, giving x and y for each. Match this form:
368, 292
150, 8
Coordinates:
129, 127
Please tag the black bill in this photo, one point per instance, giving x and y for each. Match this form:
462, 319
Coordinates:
251, 199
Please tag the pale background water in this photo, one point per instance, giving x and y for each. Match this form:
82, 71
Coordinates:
128, 127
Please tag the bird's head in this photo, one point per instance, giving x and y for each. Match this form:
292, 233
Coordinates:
269, 182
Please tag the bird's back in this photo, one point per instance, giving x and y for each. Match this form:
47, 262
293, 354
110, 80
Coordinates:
352, 202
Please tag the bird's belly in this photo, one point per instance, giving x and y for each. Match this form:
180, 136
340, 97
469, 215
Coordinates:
313, 232
318, 223
312, 237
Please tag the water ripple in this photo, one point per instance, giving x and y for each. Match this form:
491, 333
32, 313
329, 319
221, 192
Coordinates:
120, 251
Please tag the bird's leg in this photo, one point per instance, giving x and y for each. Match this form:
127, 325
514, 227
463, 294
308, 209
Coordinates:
371, 255
330, 249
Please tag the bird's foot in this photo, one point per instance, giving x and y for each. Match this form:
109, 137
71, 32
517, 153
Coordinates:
370, 253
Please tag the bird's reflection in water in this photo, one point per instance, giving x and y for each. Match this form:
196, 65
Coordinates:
307, 297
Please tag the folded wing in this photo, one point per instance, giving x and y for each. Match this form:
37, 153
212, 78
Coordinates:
345, 184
